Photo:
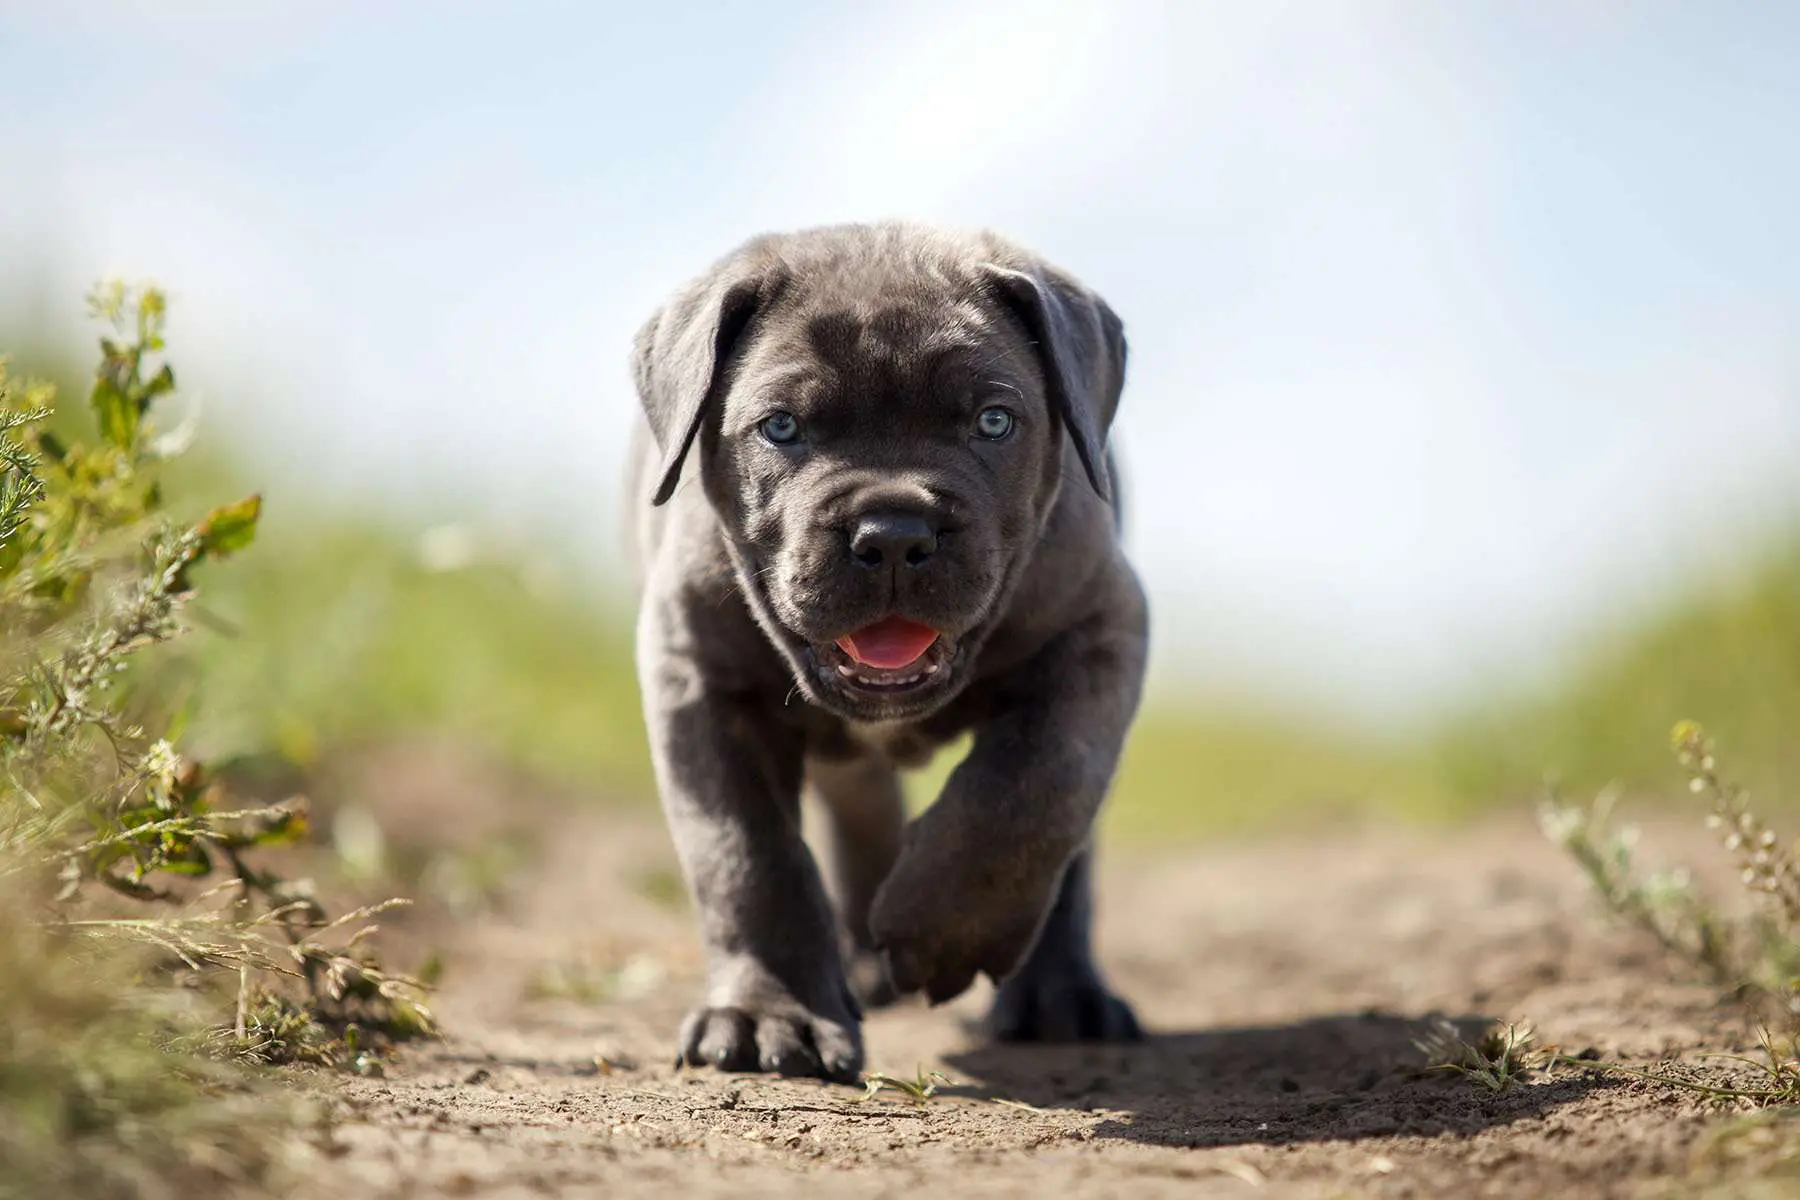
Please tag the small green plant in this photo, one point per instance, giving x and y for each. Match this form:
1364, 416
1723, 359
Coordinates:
1663, 904
92, 573
1771, 1081
1754, 957
1500, 1057
126, 868
917, 1090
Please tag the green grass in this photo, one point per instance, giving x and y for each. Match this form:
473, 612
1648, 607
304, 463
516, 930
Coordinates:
152, 959
1210, 770
342, 636
334, 630
1727, 655
333, 633
112, 1081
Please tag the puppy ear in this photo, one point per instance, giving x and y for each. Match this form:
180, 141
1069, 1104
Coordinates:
1082, 343
680, 357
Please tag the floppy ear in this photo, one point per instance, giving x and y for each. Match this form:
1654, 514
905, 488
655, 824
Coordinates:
1082, 343
680, 356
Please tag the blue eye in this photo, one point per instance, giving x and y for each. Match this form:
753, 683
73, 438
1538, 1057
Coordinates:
994, 424
781, 429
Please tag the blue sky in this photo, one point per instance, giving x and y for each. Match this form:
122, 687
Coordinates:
1457, 330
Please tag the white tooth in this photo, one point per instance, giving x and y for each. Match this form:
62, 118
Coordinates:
932, 669
846, 672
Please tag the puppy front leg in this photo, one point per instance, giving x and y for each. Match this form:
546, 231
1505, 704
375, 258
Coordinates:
1059, 994
729, 778
981, 868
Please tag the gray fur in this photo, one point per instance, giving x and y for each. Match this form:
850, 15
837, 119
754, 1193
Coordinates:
884, 340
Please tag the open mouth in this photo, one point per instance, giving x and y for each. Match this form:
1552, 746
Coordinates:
891, 656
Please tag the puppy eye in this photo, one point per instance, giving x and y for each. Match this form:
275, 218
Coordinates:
993, 423
782, 428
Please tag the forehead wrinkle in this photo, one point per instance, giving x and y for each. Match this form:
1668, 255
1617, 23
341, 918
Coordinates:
873, 363
904, 346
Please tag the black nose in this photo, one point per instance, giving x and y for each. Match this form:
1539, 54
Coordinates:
890, 539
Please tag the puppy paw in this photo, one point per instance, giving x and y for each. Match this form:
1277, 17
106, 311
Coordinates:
754, 1024
733, 1039
939, 950
1060, 1006
939, 923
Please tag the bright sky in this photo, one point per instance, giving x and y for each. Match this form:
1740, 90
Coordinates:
1454, 328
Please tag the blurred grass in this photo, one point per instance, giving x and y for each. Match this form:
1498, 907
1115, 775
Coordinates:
1207, 770
92, 1101
345, 637
342, 631
342, 635
346, 625
1726, 654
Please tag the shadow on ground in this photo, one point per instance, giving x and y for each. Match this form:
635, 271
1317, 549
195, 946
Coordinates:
1329, 1078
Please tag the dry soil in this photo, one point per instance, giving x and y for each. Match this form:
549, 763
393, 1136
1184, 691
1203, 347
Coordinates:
1283, 982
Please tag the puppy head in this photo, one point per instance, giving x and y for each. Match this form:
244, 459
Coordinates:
879, 415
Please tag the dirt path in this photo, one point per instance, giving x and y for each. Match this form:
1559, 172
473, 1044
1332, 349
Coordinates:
1284, 984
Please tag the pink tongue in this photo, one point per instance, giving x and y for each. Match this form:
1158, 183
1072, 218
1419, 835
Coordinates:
895, 642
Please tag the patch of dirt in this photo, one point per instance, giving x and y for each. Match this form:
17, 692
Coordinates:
1283, 984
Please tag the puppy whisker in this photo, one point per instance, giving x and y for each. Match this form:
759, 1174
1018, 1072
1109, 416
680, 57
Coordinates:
993, 358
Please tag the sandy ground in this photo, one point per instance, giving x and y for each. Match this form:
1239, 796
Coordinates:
1283, 984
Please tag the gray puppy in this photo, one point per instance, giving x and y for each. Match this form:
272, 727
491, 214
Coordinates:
876, 514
